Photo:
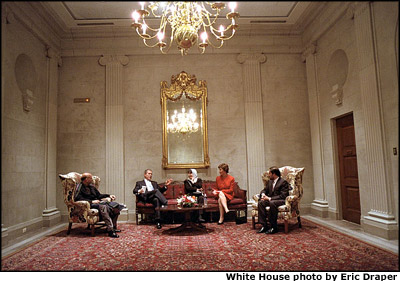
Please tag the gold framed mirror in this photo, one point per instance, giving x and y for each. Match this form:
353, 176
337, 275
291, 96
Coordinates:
184, 117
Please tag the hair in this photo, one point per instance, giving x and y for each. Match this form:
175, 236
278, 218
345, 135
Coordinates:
145, 171
224, 167
275, 170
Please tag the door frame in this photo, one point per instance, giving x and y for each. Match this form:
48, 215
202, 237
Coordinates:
336, 165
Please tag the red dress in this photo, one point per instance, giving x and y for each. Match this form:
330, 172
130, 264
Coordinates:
226, 186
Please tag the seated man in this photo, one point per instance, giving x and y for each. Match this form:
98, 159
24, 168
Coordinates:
149, 191
273, 195
88, 192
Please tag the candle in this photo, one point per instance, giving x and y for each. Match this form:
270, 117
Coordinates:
135, 16
221, 29
160, 36
232, 5
204, 36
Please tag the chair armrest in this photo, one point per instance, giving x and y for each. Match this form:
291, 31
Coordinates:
82, 204
290, 199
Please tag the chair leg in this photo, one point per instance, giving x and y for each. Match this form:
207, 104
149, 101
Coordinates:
92, 229
253, 222
69, 228
299, 220
286, 226
137, 219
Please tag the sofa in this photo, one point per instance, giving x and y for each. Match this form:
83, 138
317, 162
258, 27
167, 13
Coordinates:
176, 189
291, 208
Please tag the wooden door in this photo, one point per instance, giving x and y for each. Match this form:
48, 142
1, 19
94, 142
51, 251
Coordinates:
349, 188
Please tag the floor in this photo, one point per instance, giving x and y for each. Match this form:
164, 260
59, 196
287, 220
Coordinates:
345, 227
354, 230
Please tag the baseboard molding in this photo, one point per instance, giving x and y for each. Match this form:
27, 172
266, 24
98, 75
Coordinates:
20, 230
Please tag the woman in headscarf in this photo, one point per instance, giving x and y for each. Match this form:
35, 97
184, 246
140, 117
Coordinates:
194, 187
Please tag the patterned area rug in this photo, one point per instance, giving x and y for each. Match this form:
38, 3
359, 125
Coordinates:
227, 247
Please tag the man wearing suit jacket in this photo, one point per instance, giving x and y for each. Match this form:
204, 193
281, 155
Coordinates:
273, 195
149, 191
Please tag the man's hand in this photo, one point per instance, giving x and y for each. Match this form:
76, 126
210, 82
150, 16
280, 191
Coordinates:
168, 181
265, 197
112, 197
95, 201
141, 191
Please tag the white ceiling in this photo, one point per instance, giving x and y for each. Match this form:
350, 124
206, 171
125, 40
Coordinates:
78, 16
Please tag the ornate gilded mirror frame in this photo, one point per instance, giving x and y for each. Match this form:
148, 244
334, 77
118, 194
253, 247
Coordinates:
184, 146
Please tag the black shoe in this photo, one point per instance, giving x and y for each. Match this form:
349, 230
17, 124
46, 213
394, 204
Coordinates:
113, 234
272, 231
263, 229
117, 230
158, 225
219, 223
202, 220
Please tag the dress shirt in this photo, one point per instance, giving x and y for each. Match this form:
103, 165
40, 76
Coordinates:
274, 183
149, 185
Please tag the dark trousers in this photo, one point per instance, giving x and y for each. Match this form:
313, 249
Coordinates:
156, 198
109, 217
272, 214
194, 216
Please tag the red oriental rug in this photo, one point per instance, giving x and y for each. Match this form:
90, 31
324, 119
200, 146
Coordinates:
227, 247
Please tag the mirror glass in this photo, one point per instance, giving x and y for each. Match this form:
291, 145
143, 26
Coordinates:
184, 112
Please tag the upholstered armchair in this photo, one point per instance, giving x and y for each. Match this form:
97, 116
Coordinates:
79, 211
291, 209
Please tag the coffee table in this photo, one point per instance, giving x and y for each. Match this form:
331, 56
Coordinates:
187, 223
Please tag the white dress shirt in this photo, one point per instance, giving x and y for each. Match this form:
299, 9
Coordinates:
148, 185
274, 183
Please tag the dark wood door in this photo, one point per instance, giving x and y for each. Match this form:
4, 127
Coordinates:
350, 194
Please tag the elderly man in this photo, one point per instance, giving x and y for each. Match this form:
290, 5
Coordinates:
149, 191
273, 195
86, 191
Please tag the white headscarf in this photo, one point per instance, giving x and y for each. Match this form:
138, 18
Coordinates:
194, 173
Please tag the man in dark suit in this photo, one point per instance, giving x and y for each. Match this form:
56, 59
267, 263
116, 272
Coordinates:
273, 195
149, 191
86, 191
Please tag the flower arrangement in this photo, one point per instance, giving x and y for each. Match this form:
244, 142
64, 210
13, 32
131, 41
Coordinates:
187, 201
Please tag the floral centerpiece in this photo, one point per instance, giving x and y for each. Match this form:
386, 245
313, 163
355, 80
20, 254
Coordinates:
187, 201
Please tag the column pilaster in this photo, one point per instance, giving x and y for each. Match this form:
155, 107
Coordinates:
319, 206
51, 215
380, 219
251, 73
115, 183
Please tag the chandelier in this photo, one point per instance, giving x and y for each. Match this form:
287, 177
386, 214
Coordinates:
185, 21
183, 122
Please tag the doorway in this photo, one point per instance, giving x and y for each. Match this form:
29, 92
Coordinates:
347, 154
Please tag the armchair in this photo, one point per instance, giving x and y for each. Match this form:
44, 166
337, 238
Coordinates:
79, 211
291, 209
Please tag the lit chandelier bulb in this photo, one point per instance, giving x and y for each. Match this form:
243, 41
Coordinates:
204, 36
142, 5
135, 15
232, 6
160, 36
221, 30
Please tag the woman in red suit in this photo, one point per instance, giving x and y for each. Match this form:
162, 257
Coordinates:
224, 191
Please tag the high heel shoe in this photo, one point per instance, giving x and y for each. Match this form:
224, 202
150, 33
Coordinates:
219, 223
227, 211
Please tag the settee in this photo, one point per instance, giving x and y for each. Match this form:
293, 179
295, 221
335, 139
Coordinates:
176, 189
